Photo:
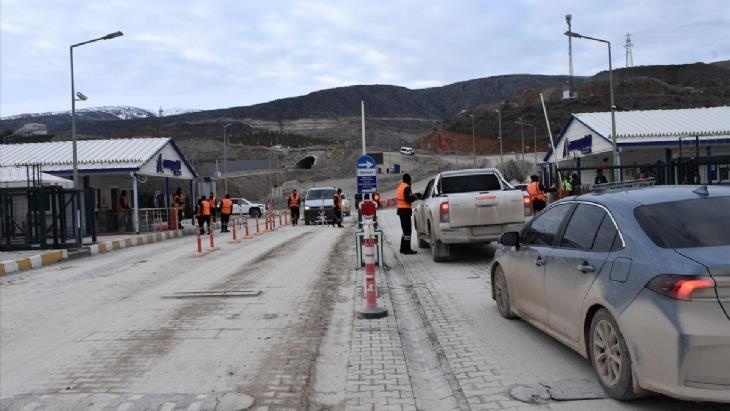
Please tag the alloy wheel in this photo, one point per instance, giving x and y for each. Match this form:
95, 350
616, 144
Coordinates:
607, 354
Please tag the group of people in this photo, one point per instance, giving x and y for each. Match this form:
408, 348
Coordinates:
207, 208
294, 201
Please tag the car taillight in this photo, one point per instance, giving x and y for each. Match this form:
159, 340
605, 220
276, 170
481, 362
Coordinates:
444, 212
682, 287
528, 205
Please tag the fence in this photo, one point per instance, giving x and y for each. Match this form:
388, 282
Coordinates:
150, 220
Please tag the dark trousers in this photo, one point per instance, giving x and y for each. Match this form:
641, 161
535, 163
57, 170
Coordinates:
538, 205
179, 217
204, 220
338, 217
224, 222
407, 227
294, 215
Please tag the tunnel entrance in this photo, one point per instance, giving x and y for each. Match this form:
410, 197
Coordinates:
307, 162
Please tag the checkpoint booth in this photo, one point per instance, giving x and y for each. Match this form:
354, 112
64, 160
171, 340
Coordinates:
142, 173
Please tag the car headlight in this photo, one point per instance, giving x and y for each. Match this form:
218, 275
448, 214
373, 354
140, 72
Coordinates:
307, 208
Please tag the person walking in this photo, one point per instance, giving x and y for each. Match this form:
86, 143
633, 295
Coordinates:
178, 201
337, 207
226, 210
202, 212
212, 203
404, 197
294, 201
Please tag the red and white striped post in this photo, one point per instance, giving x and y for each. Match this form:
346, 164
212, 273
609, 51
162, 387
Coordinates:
370, 308
257, 226
212, 242
235, 238
245, 227
199, 253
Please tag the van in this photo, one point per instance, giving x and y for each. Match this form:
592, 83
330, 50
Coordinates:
407, 151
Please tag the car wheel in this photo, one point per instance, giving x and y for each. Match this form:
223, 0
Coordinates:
610, 356
501, 294
439, 250
421, 242
254, 213
306, 221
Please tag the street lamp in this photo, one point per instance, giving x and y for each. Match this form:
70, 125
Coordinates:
225, 158
534, 137
473, 141
522, 133
616, 158
499, 119
81, 97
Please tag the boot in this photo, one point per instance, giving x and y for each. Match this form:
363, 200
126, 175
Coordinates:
405, 245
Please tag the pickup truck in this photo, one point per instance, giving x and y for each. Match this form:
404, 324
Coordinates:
467, 206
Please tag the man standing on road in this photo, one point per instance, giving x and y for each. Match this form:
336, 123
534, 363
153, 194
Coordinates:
178, 201
337, 207
212, 204
404, 197
226, 210
535, 189
202, 212
294, 201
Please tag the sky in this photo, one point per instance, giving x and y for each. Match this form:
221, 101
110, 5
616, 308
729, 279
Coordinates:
190, 54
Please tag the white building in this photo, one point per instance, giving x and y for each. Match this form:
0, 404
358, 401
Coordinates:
32, 129
676, 146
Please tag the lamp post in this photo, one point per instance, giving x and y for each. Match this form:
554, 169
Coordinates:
522, 133
499, 120
225, 158
473, 141
616, 158
523, 123
73, 126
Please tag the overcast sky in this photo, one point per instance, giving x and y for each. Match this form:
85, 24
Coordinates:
216, 54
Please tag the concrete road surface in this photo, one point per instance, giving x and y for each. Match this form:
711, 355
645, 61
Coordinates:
269, 323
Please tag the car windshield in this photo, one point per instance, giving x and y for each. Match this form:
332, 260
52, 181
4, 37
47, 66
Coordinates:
701, 222
468, 183
319, 193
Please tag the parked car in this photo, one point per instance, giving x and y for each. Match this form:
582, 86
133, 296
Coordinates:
243, 206
346, 208
635, 280
318, 205
467, 206
407, 151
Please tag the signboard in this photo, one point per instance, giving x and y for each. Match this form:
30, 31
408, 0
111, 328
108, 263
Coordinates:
367, 175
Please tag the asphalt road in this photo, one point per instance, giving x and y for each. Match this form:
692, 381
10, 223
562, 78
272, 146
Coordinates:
112, 332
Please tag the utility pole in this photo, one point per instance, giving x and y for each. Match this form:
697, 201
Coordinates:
522, 133
629, 53
568, 19
362, 115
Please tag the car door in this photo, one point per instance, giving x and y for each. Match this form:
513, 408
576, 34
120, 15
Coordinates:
573, 266
527, 265
421, 211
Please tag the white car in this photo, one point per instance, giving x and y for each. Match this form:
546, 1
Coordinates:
243, 206
407, 151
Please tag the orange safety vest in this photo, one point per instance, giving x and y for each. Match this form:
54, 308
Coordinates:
294, 200
178, 200
533, 189
400, 196
336, 201
206, 207
226, 206
211, 200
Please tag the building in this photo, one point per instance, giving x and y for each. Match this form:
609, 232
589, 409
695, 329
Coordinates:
146, 170
675, 146
32, 129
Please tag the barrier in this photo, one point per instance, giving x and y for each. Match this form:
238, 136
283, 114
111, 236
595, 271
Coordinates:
245, 226
370, 307
258, 232
234, 239
212, 242
199, 253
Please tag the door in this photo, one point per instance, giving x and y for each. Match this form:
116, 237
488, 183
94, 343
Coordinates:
527, 267
574, 265
420, 213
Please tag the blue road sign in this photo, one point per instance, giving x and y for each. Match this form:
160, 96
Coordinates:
367, 175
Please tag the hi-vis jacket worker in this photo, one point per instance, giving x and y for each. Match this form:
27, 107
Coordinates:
538, 199
226, 210
178, 201
404, 197
294, 201
202, 212
212, 203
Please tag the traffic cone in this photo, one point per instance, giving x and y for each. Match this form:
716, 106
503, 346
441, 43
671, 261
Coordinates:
370, 308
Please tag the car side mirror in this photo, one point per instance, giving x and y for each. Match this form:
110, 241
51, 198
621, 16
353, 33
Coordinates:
511, 239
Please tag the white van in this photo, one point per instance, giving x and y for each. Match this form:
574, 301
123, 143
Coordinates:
407, 151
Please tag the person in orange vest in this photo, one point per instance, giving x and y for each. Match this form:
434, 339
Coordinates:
403, 198
202, 212
212, 204
536, 191
178, 201
294, 201
226, 210
337, 207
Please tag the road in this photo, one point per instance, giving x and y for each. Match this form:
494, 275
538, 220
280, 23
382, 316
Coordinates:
106, 333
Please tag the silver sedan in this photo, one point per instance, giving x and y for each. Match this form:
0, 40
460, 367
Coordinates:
637, 281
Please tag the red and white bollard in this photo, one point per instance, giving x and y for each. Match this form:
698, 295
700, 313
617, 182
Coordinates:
245, 227
280, 223
199, 253
235, 238
257, 226
370, 308
212, 242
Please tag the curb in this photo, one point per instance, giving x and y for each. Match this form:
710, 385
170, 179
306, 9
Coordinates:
54, 256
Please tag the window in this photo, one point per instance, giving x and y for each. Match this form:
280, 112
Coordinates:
469, 183
545, 227
701, 222
320, 193
607, 238
427, 191
583, 226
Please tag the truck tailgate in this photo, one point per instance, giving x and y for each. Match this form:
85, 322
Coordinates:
486, 208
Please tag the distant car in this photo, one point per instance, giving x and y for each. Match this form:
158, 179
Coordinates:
243, 206
346, 208
635, 280
318, 205
407, 151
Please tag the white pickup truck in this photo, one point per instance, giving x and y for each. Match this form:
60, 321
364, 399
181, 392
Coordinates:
467, 206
